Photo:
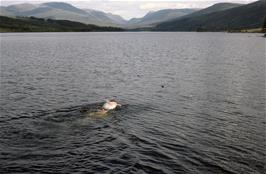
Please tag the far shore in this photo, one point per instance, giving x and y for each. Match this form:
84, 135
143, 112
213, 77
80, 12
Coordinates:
17, 30
242, 31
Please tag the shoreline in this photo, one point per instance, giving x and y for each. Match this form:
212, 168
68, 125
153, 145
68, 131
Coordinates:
130, 32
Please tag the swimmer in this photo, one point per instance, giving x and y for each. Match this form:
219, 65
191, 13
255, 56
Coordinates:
107, 106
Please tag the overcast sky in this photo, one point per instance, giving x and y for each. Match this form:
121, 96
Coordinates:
130, 8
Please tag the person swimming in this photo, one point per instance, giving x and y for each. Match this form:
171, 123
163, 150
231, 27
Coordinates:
107, 106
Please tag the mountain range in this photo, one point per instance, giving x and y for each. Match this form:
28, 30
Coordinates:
65, 11
219, 17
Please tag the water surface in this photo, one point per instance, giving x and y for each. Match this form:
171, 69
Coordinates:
192, 103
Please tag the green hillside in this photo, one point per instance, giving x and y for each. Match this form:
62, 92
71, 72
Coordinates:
32, 24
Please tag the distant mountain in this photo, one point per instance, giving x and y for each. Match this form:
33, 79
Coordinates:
233, 18
32, 24
62, 11
118, 19
106, 17
153, 18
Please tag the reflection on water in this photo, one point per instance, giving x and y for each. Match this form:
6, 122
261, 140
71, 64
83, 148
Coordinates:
209, 116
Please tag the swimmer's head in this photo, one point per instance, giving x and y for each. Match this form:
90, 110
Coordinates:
110, 104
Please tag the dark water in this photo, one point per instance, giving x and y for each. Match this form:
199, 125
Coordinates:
192, 103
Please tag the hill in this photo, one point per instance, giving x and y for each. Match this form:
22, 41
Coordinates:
153, 18
240, 17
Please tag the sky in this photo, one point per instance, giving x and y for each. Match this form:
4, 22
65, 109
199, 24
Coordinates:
130, 8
